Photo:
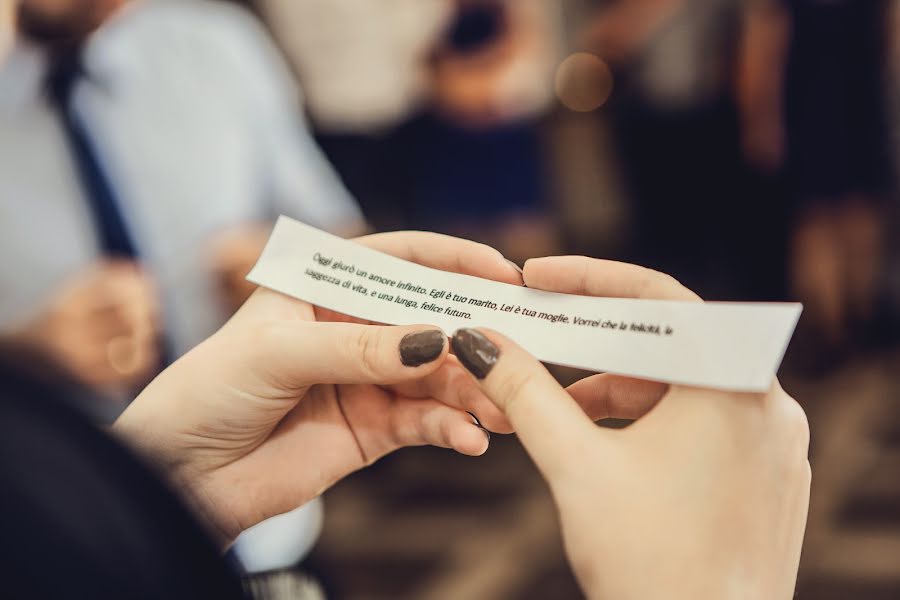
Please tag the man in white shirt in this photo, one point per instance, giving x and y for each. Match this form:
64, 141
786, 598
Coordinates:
187, 118
144, 175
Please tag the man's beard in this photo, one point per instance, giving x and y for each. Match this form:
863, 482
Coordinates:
58, 30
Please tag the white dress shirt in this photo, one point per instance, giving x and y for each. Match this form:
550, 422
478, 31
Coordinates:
362, 62
197, 123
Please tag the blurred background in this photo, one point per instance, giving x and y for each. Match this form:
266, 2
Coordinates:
747, 147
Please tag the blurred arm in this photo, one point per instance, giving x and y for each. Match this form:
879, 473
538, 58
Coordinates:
762, 60
296, 176
293, 176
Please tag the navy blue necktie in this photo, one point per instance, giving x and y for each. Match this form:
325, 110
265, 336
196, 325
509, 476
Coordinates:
114, 237
115, 240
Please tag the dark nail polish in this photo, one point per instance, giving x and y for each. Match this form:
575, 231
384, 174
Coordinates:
421, 347
476, 353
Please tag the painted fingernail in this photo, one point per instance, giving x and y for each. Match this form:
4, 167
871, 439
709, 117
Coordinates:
421, 347
476, 353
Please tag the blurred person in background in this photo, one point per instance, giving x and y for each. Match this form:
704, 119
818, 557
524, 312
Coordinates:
144, 147
696, 205
491, 79
428, 108
816, 105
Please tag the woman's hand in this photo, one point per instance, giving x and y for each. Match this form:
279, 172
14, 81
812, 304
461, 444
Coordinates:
705, 496
286, 399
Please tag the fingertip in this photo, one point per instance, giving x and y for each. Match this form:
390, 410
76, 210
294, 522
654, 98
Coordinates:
538, 272
471, 440
528, 270
475, 351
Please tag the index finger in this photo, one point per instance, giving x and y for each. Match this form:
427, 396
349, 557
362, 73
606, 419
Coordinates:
606, 278
551, 426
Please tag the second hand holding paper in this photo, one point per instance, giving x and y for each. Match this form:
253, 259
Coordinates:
725, 345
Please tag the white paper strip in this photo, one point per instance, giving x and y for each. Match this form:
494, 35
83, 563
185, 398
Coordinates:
726, 345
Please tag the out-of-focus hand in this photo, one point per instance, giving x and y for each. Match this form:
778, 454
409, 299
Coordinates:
231, 255
286, 399
102, 326
704, 496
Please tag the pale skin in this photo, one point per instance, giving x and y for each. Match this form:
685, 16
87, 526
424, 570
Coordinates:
705, 496
102, 325
286, 399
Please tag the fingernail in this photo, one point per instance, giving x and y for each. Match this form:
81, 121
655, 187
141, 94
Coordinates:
487, 434
515, 266
478, 424
421, 347
476, 353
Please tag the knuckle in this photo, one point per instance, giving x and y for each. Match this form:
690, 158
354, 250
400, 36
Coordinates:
366, 346
513, 389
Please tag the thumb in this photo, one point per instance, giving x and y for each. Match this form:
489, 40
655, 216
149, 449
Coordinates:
552, 427
301, 354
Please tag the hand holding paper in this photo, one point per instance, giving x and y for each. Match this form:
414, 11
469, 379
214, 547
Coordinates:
287, 399
705, 496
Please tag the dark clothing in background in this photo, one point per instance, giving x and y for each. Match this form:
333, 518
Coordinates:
477, 26
80, 517
836, 99
699, 211
432, 173
429, 173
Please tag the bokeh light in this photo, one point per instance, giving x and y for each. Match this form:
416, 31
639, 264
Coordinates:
584, 82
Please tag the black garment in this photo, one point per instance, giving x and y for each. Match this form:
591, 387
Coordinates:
699, 212
80, 517
837, 127
477, 26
